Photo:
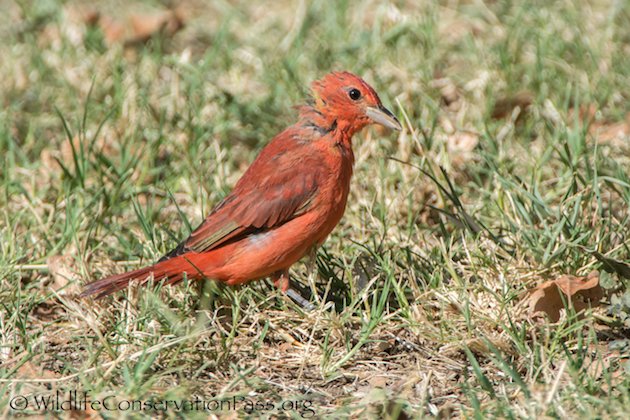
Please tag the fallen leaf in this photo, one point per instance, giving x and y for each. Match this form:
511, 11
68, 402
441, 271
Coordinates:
145, 26
62, 270
136, 29
618, 132
580, 292
113, 31
602, 130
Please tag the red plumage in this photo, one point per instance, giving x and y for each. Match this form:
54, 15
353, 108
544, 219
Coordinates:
288, 200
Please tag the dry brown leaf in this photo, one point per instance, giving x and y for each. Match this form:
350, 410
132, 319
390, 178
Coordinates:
600, 360
580, 292
135, 29
603, 131
145, 26
62, 270
113, 31
503, 107
611, 133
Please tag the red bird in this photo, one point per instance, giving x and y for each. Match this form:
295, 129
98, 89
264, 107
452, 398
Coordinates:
287, 202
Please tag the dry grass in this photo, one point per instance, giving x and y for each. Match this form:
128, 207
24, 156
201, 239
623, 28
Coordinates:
511, 171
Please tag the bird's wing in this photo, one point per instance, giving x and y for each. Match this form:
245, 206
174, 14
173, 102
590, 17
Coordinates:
279, 186
280, 200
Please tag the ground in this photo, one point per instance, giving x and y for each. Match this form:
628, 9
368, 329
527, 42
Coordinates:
122, 124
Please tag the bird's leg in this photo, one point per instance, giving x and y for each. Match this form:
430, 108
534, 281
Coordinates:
311, 270
282, 281
312, 261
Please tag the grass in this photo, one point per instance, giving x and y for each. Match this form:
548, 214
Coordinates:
110, 154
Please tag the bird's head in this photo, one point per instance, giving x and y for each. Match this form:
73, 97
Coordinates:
346, 100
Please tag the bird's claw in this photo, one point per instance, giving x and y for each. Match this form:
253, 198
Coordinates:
282, 281
300, 300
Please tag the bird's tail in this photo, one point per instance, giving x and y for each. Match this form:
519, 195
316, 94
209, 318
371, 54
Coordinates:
173, 270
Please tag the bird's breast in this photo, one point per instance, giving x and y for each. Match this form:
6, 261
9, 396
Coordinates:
334, 188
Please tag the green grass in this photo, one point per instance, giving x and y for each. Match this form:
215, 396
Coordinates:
109, 156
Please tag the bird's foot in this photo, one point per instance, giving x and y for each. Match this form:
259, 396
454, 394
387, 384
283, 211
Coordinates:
282, 281
300, 300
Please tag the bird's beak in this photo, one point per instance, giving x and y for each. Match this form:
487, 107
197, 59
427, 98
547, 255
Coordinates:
381, 115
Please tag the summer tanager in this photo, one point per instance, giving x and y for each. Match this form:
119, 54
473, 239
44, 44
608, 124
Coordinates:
286, 203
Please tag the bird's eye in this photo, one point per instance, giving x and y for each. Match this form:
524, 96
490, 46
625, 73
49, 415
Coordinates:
354, 94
